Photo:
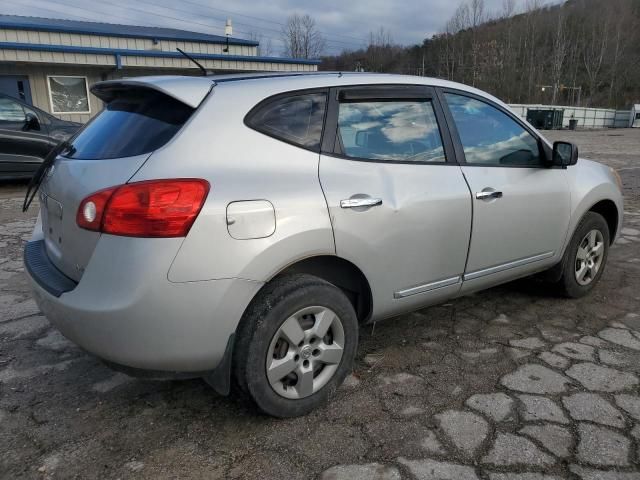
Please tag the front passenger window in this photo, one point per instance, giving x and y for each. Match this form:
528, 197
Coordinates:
491, 137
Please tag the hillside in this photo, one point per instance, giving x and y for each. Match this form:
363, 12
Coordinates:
584, 52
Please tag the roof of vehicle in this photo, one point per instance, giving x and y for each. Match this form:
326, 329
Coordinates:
192, 90
300, 80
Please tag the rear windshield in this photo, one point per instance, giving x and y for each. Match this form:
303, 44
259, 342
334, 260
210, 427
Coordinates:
134, 123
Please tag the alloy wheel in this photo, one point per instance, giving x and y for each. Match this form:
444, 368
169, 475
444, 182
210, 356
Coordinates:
305, 352
589, 257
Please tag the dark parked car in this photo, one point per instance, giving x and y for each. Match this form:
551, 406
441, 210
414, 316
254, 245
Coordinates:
26, 136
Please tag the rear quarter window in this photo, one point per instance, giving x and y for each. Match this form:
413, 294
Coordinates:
294, 118
133, 123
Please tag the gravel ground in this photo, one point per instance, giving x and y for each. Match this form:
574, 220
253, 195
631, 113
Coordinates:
490, 386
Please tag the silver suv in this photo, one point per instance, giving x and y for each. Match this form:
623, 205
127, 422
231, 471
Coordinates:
242, 228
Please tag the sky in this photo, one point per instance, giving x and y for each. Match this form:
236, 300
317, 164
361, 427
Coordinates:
344, 24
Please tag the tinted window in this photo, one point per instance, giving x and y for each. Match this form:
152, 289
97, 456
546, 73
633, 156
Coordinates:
297, 119
11, 114
131, 124
404, 131
491, 137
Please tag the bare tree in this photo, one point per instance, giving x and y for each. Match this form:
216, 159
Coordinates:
559, 53
265, 47
594, 47
301, 37
530, 45
508, 9
378, 50
477, 17
380, 38
621, 39
506, 49
477, 12
579, 49
454, 56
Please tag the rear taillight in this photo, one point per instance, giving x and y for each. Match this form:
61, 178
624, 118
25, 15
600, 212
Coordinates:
154, 208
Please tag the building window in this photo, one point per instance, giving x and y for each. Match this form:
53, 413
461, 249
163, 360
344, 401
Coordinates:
68, 94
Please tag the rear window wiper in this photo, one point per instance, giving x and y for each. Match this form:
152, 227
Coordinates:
41, 172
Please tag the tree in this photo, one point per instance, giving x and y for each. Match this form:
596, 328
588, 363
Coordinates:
594, 48
301, 37
621, 41
532, 51
378, 51
558, 56
477, 17
265, 47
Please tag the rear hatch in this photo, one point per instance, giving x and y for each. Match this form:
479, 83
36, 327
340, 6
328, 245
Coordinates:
140, 116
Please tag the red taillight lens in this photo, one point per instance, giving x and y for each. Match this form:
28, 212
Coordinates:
155, 208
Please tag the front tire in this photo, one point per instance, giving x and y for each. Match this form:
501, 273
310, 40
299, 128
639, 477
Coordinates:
585, 258
295, 345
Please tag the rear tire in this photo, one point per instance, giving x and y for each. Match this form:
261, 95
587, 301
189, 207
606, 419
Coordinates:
586, 256
295, 345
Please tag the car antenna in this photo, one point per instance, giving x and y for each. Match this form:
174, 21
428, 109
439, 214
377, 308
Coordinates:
204, 71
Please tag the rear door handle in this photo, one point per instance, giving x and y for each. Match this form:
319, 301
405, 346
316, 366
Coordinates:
360, 202
487, 195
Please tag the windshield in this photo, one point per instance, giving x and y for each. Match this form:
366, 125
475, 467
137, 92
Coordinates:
134, 123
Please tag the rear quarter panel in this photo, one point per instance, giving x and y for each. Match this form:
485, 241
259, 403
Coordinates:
243, 164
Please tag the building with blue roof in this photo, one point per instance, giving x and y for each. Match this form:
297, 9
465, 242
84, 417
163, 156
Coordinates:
52, 63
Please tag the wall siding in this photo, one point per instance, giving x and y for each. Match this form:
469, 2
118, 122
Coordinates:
40, 91
37, 65
83, 40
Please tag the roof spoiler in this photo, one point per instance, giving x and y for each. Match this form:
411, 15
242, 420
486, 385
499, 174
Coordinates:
189, 90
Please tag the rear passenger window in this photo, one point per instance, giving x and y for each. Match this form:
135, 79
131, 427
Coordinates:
296, 119
396, 130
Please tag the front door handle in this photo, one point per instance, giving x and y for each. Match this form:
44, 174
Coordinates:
488, 195
360, 202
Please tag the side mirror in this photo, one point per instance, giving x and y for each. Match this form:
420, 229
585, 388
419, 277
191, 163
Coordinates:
564, 154
31, 122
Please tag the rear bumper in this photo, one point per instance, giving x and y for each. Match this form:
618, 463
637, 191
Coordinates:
42, 270
125, 310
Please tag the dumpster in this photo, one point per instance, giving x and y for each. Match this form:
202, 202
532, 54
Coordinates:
545, 118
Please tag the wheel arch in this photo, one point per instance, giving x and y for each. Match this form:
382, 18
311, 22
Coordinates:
608, 209
341, 273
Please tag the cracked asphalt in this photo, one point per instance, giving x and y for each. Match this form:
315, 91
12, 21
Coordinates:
507, 384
